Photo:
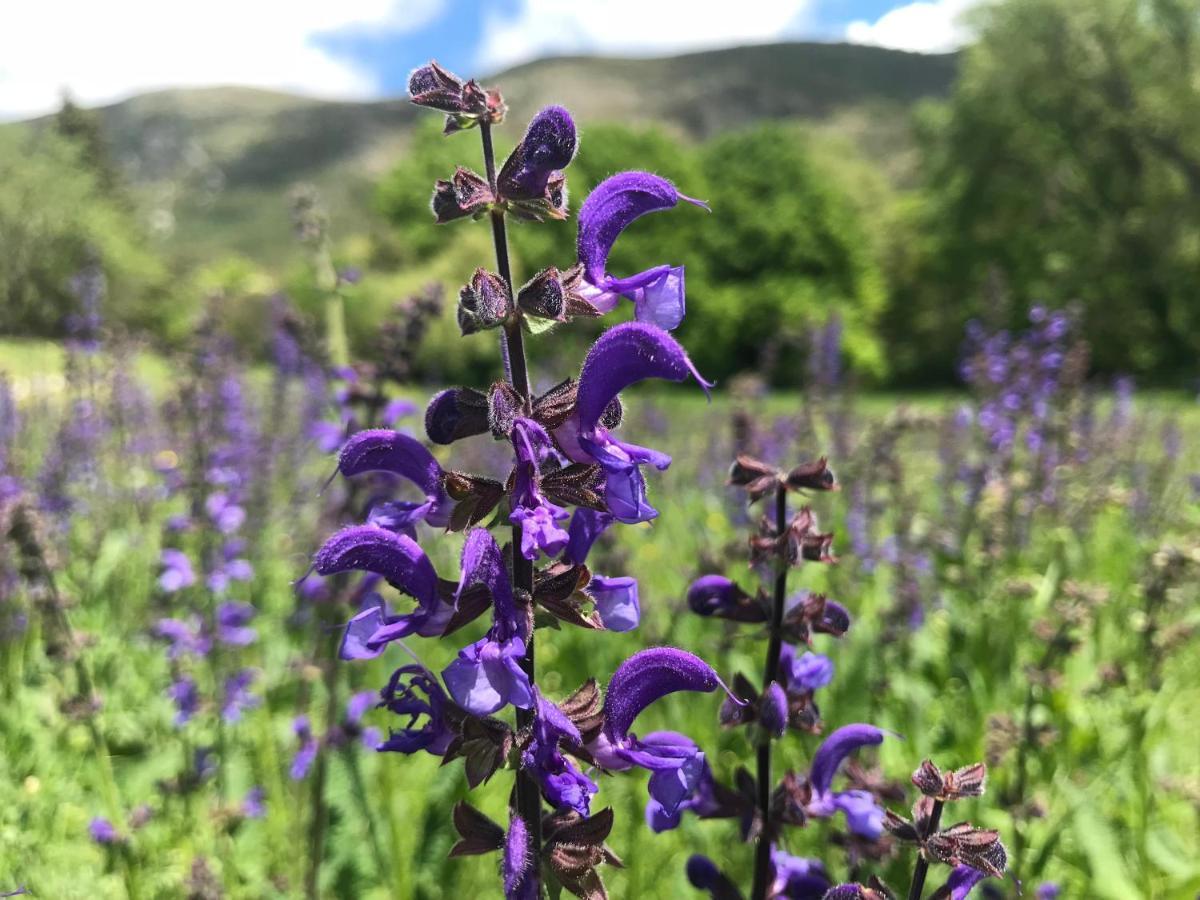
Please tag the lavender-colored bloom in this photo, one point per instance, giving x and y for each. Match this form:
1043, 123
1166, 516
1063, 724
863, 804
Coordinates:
961, 882
674, 761
487, 675
806, 672
382, 450
306, 754
396, 410
797, 878
185, 637
232, 624
517, 864
657, 293
103, 831
702, 801
863, 815
616, 601
563, 785
455, 414
404, 565
358, 704
177, 572
225, 514
547, 147
624, 355
254, 805
716, 595
536, 515
186, 696
586, 526
1048, 890
402, 696
238, 698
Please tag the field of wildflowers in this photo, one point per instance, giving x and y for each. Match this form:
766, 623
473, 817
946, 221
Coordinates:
262, 626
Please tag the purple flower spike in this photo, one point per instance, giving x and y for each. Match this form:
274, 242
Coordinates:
548, 146
623, 355
233, 624
657, 293
102, 831
962, 882
382, 450
648, 676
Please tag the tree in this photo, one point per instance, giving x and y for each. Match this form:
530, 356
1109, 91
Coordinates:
1065, 167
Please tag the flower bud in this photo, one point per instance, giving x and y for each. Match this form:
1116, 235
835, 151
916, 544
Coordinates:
455, 414
465, 194
466, 104
773, 710
543, 295
484, 303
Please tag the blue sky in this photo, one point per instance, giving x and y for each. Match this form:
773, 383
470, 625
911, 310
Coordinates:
365, 48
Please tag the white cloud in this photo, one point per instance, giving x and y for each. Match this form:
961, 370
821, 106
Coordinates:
930, 26
632, 27
102, 50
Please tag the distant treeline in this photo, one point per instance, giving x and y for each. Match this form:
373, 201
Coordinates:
1064, 170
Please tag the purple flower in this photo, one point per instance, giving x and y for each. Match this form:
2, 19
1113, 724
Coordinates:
186, 696
487, 675
702, 801
404, 565
563, 785
716, 595
455, 414
806, 672
184, 637
402, 696
616, 601
238, 698
226, 515
622, 356
254, 805
306, 754
674, 761
232, 627
358, 704
961, 882
177, 572
396, 410
657, 293
586, 526
382, 450
547, 147
517, 863
863, 815
773, 710
102, 831
1048, 890
797, 878
536, 515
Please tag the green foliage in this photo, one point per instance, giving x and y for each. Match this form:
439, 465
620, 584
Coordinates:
1064, 168
55, 216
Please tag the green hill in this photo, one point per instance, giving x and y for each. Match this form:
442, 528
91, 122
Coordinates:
213, 166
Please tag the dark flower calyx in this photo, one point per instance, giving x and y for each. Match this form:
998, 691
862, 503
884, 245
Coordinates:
968, 781
573, 846
814, 476
476, 497
464, 194
455, 414
466, 104
543, 295
733, 714
505, 406
585, 710
758, 478
790, 799
484, 744
964, 844
477, 833
815, 613
578, 484
561, 593
484, 303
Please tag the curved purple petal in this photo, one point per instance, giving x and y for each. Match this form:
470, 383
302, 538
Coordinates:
383, 450
394, 556
616, 601
962, 881
835, 748
648, 676
548, 146
624, 355
586, 526
611, 207
864, 816
487, 676
483, 563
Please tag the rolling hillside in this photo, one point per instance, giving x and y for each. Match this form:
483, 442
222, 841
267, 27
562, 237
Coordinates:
214, 165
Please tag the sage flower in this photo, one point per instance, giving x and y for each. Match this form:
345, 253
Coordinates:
563, 785
487, 675
674, 761
536, 515
624, 355
531, 179
863, 815
413, 691
383, 450
404, 565
615, 203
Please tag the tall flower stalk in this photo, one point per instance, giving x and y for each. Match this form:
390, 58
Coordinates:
565, 453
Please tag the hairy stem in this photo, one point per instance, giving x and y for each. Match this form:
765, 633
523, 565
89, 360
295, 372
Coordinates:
762, 850
529, 801
919, 873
